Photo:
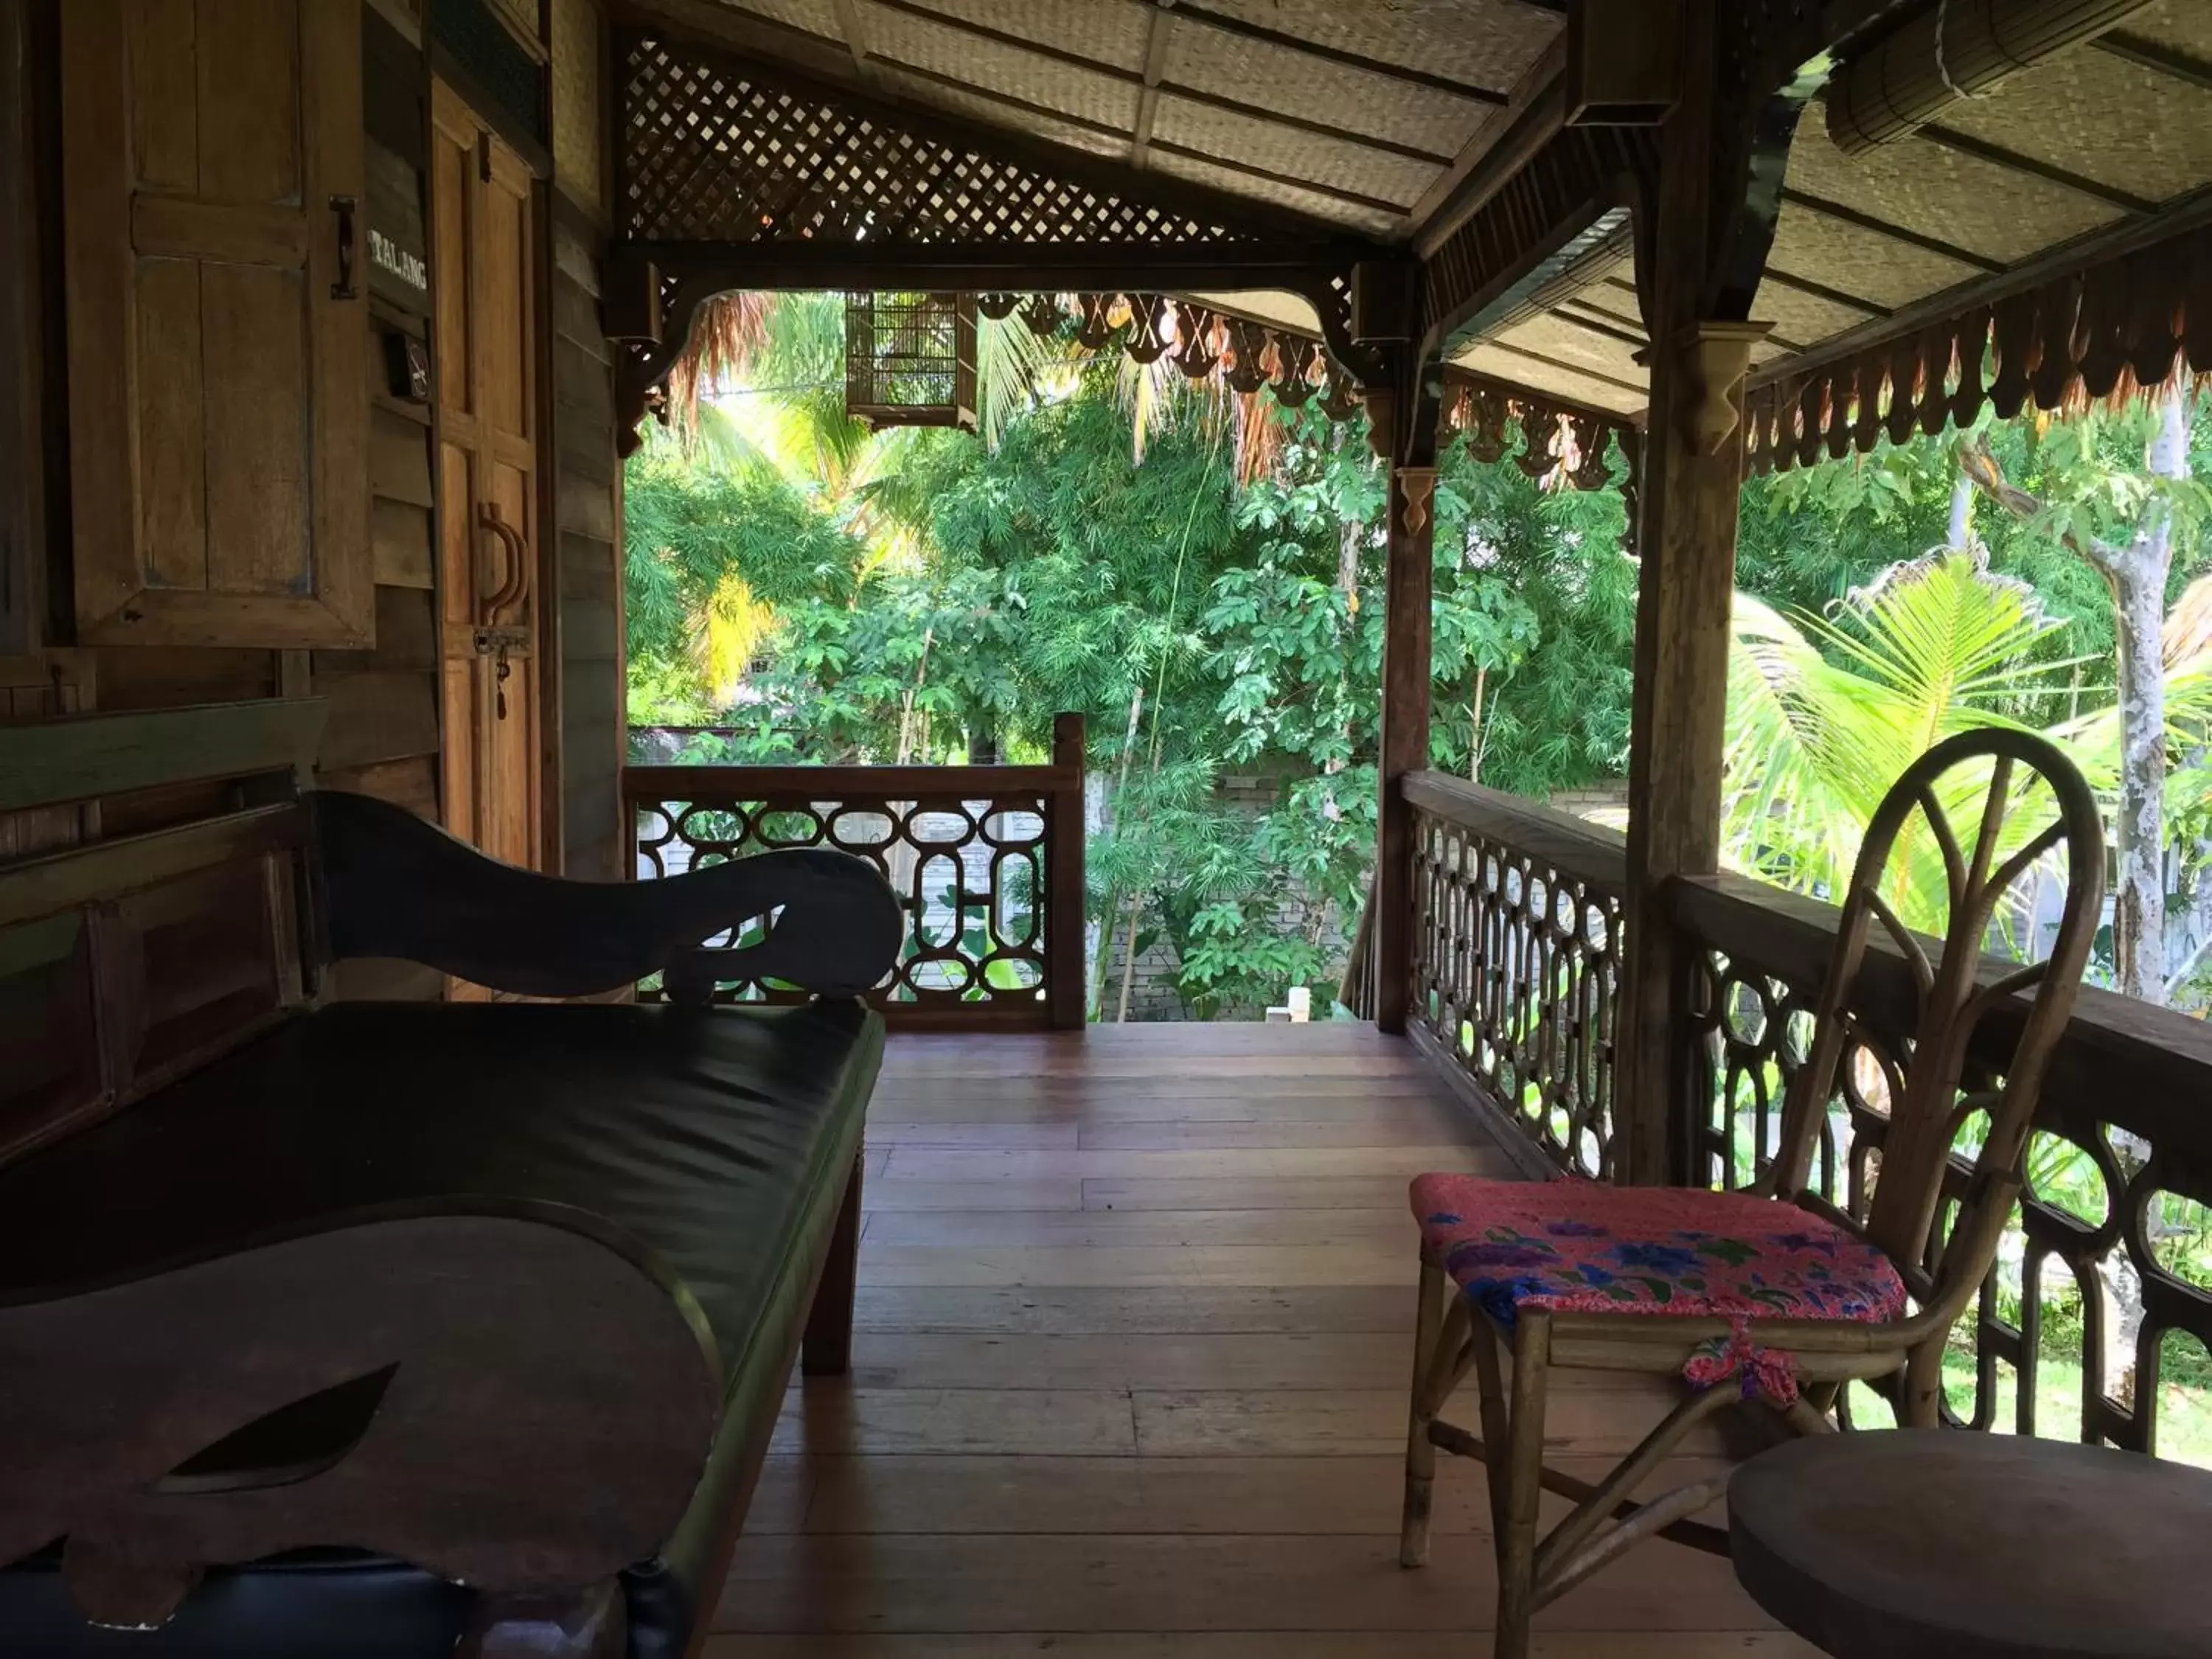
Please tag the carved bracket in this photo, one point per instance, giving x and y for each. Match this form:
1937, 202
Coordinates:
1719, 356
1417, 488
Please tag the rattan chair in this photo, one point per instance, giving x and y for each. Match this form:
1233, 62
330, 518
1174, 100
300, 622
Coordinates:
1769, 1299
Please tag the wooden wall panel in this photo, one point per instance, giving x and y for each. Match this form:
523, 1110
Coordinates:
579, 114
382, 735
22, 539
592, 719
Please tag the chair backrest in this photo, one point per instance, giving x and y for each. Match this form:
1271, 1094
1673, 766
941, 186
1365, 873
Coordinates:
153, 909
2033, 804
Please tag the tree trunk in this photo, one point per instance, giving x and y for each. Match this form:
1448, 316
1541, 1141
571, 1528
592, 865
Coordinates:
2139, 578
1109, 914
1475, 729
1961, 536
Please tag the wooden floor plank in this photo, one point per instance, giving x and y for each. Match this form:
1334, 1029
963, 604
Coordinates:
1187, 1100
998, 1136
1128, 1378
1393, 1226
1423, 1126
937, 1359
893, 1493
1587, 1415
1381, 1192
879, 1194
1368, 1263
848, 1422
1113, 1309
1260, 1644
1264, 1163
1255, 1067
1088, 1583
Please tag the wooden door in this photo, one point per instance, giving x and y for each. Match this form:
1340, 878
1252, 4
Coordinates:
211, 155
483, 241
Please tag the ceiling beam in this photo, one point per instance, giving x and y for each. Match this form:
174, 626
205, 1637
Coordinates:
1591, 320
2012, 160
1500, 146
1411, 78
848, 25
1835, 296
1170, 89
1106, 128
1562, 365
1851, 216
2156, 57
1157, 29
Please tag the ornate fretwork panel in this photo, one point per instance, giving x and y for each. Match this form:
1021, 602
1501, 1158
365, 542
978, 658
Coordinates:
969, 872
1517, 977
714, 149
2111, 1186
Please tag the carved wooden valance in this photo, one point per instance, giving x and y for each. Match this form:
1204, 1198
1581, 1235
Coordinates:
1246, 356
1557, 440
2136, 320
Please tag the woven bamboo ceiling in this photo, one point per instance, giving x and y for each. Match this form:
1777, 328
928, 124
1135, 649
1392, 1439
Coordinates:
1371, 115
1359, 112
2109, 134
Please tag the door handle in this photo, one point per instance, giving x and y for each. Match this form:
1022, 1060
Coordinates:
516, 582
344, 207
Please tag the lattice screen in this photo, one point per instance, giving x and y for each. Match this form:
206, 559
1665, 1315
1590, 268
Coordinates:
712, 151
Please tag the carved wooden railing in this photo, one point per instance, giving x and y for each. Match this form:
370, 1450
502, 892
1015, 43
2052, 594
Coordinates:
1516, 966
1517, 942
987, 863
2119, 1173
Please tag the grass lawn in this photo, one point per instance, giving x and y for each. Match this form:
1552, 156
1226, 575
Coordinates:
2184, 1416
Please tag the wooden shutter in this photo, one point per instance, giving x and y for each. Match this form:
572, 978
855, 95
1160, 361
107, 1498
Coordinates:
217, 346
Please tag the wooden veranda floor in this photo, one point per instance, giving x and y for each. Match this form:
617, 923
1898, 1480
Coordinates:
1135, 1319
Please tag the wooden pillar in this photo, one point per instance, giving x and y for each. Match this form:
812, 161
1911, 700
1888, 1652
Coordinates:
1405, 746
1066, 940
1691, 482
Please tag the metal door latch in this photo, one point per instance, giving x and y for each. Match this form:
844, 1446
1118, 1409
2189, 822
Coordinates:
499, 644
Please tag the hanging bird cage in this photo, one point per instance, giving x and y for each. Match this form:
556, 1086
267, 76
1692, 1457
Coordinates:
910, 359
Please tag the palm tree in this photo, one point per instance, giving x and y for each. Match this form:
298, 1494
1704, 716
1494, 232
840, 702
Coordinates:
1824, 713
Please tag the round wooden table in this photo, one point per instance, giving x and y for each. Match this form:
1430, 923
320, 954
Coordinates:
1944, 1544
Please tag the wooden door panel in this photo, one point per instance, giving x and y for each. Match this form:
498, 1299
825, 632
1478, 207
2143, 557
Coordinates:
512, 834
452, 166
460, 575
505, 283
460, 748
212, 162
484, 208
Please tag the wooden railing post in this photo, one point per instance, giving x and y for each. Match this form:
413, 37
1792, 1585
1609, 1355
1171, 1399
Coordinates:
1404, 745
1068, 991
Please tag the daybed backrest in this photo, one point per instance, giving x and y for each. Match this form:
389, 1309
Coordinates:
129, 955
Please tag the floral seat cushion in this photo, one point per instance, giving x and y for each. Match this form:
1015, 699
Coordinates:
1582, 1246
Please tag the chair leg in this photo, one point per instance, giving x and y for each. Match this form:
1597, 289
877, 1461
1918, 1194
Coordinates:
1420, 1452
1497, 1433
1523, 1470
1920, 1397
